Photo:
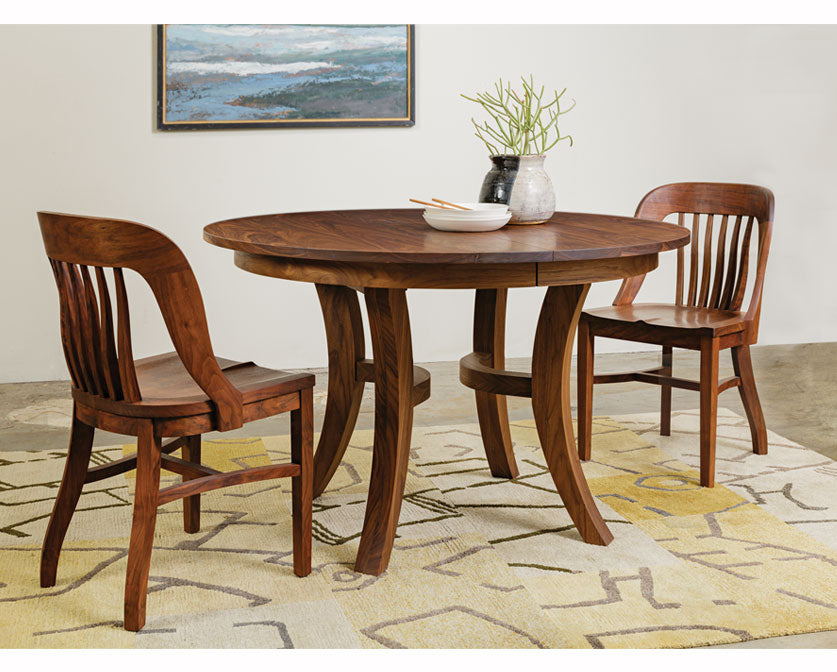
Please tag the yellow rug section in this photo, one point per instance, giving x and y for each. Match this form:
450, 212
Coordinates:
478, 562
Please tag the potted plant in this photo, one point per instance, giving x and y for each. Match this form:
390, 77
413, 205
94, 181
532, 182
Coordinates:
525, 128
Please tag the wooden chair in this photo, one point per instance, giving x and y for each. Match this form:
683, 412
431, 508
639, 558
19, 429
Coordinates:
708, 317
180, 394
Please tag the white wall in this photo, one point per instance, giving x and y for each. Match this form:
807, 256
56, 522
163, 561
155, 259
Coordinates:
656, 104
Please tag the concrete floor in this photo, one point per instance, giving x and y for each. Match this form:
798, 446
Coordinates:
797, 385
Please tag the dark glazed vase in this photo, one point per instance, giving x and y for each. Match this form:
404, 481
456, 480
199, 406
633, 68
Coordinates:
521, 183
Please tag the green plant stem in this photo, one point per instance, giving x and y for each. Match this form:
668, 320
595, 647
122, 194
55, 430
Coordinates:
518, 119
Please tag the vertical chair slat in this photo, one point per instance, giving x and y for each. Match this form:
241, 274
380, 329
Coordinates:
706, 276
714, 299
694, 261
82, 332
72, 282
66, 331
680, 263
127, 372
726, 296
107, 342
741, 283
90, 313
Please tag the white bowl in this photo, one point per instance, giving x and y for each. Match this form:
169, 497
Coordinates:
475, 211
486, 222
435, 217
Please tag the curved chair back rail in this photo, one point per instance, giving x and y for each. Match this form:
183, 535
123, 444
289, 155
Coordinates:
99, 359
723, 219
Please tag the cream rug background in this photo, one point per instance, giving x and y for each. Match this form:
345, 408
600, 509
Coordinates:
479, 562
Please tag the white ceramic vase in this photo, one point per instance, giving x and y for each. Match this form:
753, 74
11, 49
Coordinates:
521, 183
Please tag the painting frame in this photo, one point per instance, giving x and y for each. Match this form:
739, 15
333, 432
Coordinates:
164, 124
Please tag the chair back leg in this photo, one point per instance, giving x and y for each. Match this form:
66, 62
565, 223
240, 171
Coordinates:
743, 368
708, 409
585, 390
192, 504
665, 392
75, 473
142, 530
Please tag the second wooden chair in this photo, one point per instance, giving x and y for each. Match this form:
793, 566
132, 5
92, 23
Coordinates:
707, 317
182, 394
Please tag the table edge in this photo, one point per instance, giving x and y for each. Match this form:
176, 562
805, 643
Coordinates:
504, 257
446, 276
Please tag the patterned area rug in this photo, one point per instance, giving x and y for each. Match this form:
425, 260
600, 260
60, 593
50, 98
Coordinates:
479, 562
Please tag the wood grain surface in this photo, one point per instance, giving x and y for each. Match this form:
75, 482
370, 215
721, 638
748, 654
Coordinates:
402, 236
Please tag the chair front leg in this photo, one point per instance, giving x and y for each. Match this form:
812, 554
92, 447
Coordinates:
708, 409
142, 531
665, 392
192, 504
584, 392
302, 453
75, 473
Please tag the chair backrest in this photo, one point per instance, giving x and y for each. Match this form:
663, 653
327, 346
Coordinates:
100, 361
722, 219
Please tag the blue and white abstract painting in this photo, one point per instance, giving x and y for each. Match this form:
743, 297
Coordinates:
284, 75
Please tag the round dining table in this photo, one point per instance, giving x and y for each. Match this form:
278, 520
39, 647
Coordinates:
382, 254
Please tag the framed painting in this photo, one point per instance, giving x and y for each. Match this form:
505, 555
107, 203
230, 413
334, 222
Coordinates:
220, 76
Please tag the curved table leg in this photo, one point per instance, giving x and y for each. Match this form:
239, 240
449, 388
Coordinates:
551, 404
344, 333
490, 338
389, 324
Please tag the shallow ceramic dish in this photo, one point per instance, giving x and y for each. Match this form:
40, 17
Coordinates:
486, 223
476, 211
481, 217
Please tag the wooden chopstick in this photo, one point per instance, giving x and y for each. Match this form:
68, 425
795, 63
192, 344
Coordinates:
453, 205
432, 205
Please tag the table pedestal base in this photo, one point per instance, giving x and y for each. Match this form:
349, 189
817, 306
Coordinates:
549, 388
399, 386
